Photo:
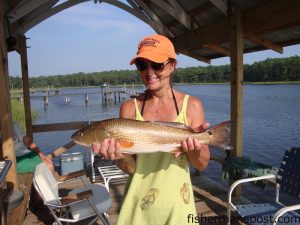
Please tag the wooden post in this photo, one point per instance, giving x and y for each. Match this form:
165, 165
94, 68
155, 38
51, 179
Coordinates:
237, 81
86, 98
25, 79
7, 151
45, 102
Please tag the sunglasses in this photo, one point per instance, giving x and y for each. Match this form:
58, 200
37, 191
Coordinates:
142, 65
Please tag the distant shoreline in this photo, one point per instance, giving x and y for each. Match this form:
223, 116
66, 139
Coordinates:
175, 84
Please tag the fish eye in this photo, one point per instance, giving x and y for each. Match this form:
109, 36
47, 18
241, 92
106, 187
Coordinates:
210, 132
80, 134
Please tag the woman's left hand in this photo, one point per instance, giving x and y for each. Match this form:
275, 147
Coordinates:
190, 144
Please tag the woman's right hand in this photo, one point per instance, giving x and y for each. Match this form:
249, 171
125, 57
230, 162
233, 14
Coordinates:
109, 149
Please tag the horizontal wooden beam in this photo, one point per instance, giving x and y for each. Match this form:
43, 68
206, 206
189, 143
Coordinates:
269, 16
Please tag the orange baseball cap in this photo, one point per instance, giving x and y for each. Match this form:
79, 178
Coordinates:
156, 48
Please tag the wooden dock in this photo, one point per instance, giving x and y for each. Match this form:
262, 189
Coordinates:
210, 200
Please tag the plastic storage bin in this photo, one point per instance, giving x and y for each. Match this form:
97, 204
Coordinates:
71, 162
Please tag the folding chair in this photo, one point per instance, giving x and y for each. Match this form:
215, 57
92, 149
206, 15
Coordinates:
92, 200
287, 180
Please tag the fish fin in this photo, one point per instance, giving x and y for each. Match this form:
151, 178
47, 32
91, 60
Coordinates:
220, 135
125, 144
173, 125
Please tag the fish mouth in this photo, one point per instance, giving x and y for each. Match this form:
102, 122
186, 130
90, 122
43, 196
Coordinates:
81, 143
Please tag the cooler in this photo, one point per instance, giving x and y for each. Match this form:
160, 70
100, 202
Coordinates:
71, 162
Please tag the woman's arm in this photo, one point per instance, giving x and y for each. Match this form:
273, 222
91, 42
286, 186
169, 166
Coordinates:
198, 154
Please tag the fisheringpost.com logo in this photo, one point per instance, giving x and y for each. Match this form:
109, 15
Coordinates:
191, 218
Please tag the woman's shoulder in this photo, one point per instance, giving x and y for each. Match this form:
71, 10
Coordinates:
195, 111
127, 109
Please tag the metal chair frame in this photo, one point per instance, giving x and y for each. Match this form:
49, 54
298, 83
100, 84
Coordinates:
280, 184
109, 173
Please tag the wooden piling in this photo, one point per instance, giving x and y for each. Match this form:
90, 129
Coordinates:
86, 98
45, 101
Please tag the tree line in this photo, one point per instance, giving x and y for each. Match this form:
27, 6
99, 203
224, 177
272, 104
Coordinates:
280, 69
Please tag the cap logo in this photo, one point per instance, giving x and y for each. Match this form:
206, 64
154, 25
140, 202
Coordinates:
152, 42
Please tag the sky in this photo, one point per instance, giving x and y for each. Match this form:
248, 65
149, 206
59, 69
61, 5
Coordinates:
93, 37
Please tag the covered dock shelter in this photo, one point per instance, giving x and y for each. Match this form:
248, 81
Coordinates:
201, 29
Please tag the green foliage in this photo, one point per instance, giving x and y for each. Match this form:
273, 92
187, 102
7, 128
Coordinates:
18, 114
284, 69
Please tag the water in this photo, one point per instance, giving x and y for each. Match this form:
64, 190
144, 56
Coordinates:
271, 117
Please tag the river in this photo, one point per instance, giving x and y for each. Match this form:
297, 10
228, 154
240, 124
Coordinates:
271, 117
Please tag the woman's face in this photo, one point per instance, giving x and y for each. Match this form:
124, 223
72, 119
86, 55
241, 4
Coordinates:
155, 75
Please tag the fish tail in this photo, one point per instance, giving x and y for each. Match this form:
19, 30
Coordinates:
219, 135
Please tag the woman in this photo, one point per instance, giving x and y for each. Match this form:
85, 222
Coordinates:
160, 189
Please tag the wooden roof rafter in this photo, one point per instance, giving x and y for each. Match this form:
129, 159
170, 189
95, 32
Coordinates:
218, 49
27, 24
192, 13
221, 5
264, 42
176, 11
157, 24
195, 56
256, 20
23, 8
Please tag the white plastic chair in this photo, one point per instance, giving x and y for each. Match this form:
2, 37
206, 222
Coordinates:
92, 200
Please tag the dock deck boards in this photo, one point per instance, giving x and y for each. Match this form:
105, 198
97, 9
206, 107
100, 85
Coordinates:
210, 199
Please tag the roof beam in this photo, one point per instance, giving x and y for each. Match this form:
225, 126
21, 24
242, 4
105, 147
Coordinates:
257, 19
144, 7
221, 5
183, 12
217, 48
23, 8
264, 42
271, 16
176, 12
192, 13
200, 9
195, 56
28, 24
